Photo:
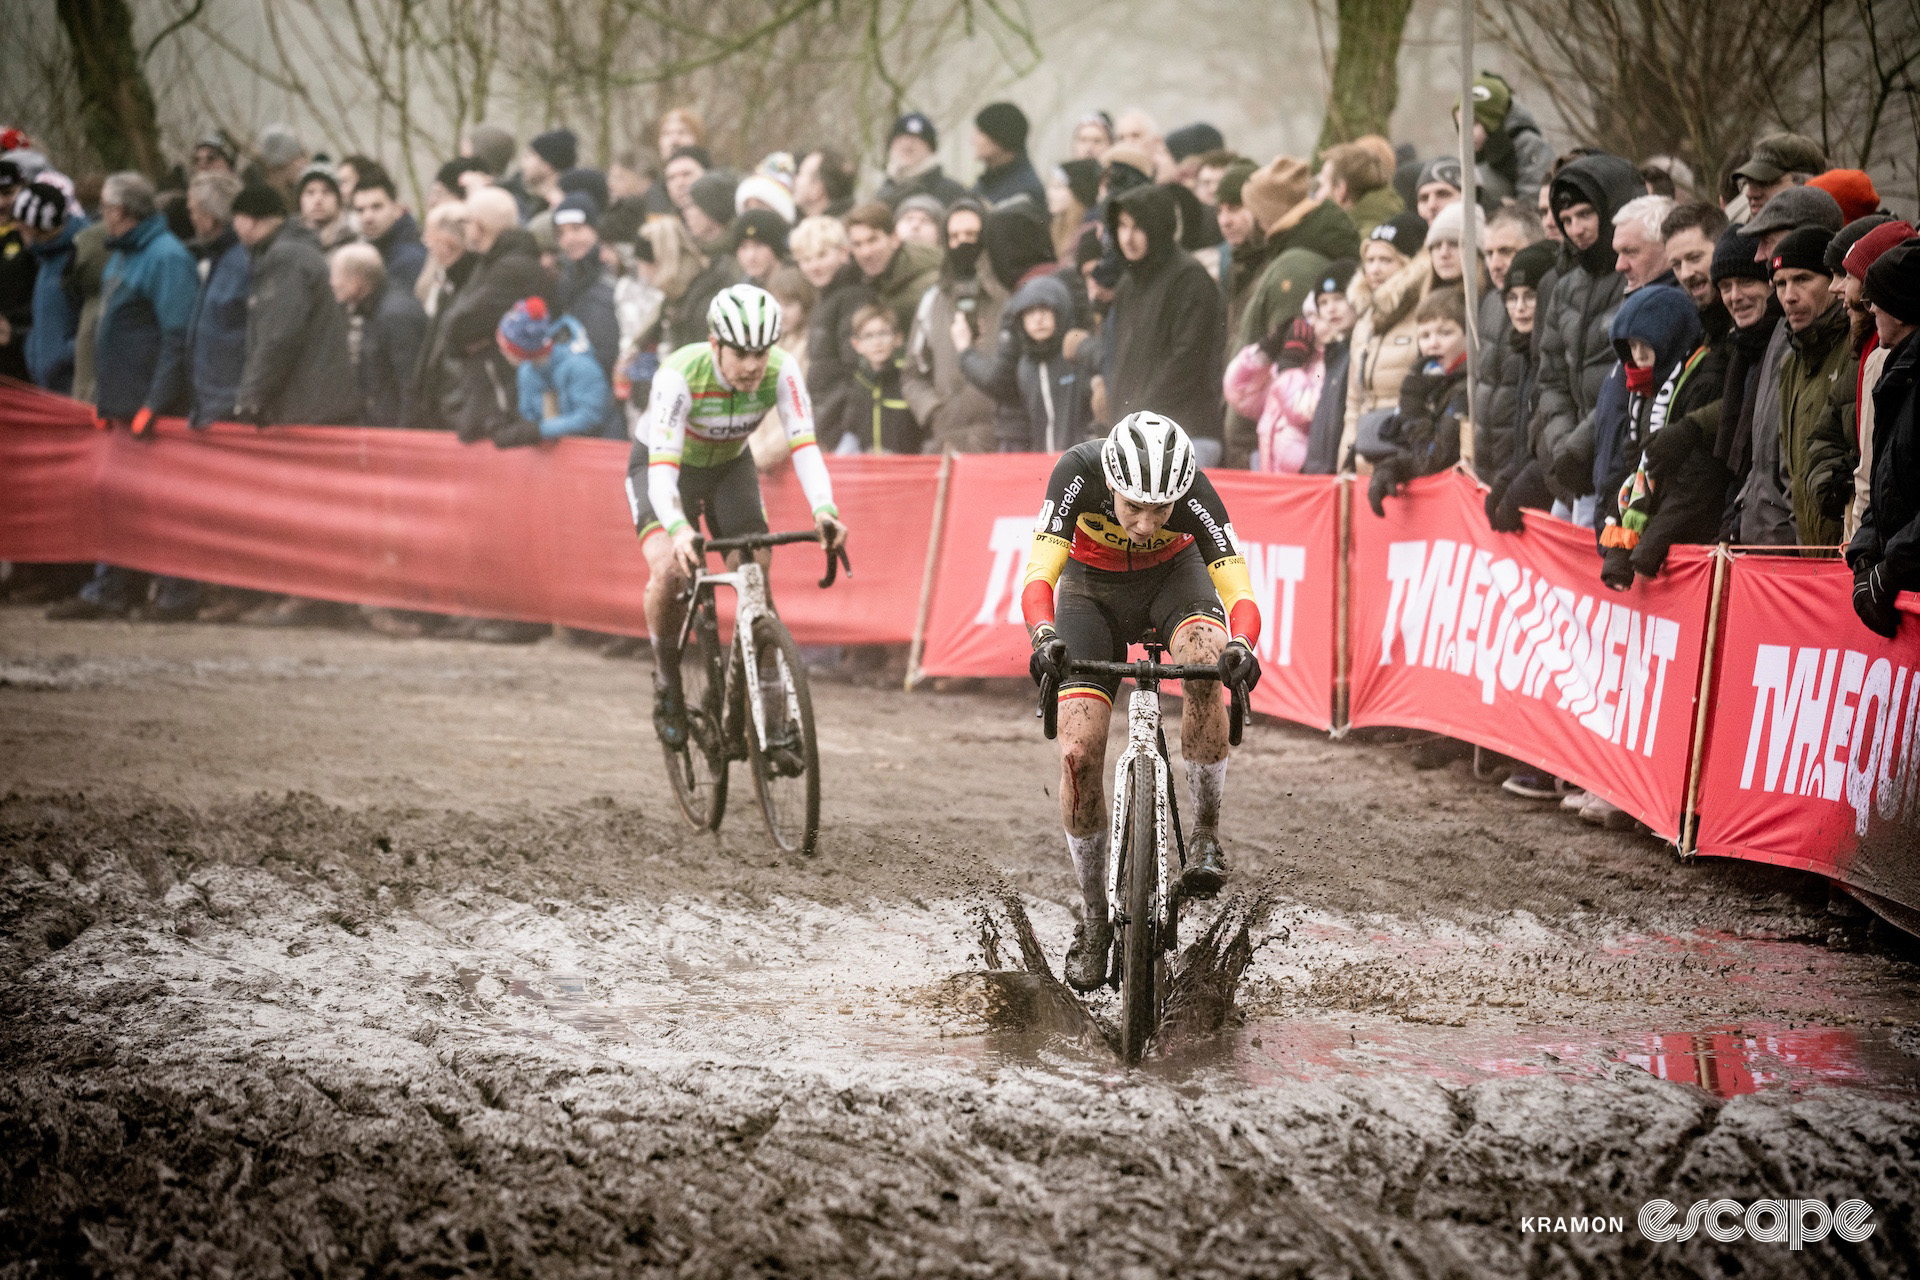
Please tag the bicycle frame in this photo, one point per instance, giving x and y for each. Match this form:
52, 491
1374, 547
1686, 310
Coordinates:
1143, 734
751, 603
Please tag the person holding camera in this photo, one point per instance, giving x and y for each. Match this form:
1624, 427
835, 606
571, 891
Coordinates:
950, 409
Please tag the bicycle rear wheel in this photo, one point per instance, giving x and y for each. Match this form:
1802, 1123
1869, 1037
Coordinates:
1138, 939
786, 769
699, 769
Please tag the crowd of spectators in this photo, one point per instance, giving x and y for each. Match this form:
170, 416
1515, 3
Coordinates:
1658, 357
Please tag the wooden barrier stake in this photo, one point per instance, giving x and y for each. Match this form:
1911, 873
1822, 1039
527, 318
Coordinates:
919, 645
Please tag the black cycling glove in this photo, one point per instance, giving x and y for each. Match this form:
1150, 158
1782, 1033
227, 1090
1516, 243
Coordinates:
1239, 669
1049, 656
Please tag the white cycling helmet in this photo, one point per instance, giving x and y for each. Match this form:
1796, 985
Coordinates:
744, 316
1148, 459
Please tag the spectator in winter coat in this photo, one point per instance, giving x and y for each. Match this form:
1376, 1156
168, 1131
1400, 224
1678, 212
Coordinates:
1511, 157
582, 288
1885, 554
1000, 145
898, 274
1690, 232
298, 368
918, 220
912, 167
1333, 319
561, 391
385, 328
216, 350
1277, 382
1359, 178
824, 184
949, 408
1426, 430
1576, 354
1502, 452
1856, 261
1168, 324
1664, 486
1640, 251
47, 226
874, 417
1033, 370
825, 257
388, 227
506, 270
86, 278
1385, 345
1819, 459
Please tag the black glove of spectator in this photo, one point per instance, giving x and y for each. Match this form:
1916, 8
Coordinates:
1384, 484
1416, 389
1572, 474
1239, 669
1836, 495
1873, 596
1496, 496
1616, 568
516, 434
1049, 656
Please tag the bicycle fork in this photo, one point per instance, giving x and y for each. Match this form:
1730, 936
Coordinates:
1143, 735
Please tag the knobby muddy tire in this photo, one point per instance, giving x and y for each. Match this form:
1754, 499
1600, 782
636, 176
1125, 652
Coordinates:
790, 804
1139, 941
699, 769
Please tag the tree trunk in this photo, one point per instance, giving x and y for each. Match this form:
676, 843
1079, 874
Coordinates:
1366, 79
116, 103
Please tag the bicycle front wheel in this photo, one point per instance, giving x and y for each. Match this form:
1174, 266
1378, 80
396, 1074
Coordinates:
699, 769
786, 766
1139, 939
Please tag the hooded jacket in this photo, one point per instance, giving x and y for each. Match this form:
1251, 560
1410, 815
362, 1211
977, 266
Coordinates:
400, 248
1308, 239
584, 291
1576, 353
217, 339
1282, 402
1168, 325
1505, 399
1384, 347
1009, 179
1813, 445
298, 369
1052, 393
147, 294
582, 400
50, 343
1890, 528
947, 406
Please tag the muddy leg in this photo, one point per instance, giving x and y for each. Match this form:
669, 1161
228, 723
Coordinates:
666, 581
1084, 717
1203, 724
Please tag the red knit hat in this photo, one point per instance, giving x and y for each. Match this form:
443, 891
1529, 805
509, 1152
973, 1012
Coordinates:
1851, 189
1871, 245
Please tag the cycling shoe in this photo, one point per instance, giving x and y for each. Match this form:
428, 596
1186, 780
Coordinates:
1206, 866
670, 716
1087, 956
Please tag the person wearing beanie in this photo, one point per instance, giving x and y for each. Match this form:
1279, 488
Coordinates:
318, 193
1333, 319
1092, 135
1817, 456
949, 408
582, 288
758, 242
1512, 158
588, 182
298, 368
1884, 552
918, 220
1000, 147
1396, 273
546, 157
765, 193
1793, 208
1437, 186
1244, 238
912, 167
1187, 144
47, 223
1778, 161
709, 210
1851, 189
282, 158
215, 153
562, 389
1859, 245
490, 144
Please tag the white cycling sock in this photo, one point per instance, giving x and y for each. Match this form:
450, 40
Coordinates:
1207, 784
1090, 865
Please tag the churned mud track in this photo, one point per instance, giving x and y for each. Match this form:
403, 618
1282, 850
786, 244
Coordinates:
325, 955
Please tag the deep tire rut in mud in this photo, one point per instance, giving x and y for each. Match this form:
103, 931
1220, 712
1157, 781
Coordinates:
329, 955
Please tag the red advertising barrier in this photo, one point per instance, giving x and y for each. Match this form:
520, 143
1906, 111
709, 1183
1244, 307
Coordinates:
1810, 758
1511, 642
1285, 525
414, 519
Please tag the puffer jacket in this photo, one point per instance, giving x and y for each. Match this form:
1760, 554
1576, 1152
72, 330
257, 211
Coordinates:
1890, 527
1576, 354
1818, 455
1281, 401
1505, 399
582, 400
1052, 392
299, 368
1384, 349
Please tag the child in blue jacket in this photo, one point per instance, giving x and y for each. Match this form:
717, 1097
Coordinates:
563, 391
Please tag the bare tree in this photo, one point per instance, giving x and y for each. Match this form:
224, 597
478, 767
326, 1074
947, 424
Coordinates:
1366, 79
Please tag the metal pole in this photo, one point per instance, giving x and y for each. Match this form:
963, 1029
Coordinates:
926, 575
1343, 606
1469, 248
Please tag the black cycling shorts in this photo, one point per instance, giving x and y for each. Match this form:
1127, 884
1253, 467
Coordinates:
727, 495
1099, 613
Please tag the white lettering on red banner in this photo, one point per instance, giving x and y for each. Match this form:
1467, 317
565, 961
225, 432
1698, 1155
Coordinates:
1835, 727
1607, 661
1277, 570
1011, 538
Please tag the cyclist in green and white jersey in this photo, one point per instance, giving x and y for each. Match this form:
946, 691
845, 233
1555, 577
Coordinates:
692, 460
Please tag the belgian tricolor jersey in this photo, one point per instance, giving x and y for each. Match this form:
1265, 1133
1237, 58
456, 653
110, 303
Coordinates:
1077, 521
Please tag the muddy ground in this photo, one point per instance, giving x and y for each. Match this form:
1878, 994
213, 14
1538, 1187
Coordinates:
327, 954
